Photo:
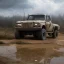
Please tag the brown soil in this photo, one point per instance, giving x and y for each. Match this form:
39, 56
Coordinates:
32, 51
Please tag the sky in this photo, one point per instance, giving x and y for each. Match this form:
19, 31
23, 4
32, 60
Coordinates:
19, 7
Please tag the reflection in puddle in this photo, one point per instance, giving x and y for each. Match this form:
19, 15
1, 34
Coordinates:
8, 51
60, 58
8, 54
17, 55
57, 60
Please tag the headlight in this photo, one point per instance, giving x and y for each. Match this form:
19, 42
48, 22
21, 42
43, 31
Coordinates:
36, 24
19, 25
18, 22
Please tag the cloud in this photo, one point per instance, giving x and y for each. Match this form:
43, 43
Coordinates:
48, 6
5, 4
45, 6
17, 7
58, 1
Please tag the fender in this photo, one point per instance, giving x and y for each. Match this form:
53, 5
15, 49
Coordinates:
56, 27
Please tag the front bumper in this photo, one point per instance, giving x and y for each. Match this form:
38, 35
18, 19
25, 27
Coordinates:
28, 29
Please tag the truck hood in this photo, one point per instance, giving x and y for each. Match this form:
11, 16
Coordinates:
30, 21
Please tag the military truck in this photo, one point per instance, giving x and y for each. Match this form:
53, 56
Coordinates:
38, 26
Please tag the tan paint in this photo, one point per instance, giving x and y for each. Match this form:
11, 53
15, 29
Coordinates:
49, 25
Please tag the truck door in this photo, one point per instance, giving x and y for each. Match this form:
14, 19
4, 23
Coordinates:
49, 25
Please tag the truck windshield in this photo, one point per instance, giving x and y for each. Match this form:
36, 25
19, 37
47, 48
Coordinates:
36, 17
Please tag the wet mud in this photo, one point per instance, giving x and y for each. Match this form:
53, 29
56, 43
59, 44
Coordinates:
50, 51
16, 54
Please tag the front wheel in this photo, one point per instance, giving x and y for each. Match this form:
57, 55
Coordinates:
17, 34
42, 34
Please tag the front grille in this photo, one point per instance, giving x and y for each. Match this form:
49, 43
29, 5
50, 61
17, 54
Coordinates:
27, 25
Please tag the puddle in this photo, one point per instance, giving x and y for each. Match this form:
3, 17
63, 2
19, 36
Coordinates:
13, 54
8, 54
40, 56
60, 42
57, 60
60, 50
8, 51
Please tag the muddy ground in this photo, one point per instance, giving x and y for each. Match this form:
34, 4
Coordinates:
32, 51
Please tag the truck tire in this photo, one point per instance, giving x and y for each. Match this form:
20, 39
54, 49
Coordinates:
50, 34
55, 34
42, 34
21, 35
17, 35
35, 35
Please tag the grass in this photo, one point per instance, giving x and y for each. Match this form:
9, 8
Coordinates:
1, 42
6, 33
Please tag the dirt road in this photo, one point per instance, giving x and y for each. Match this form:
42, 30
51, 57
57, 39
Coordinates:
30, 40
31, 51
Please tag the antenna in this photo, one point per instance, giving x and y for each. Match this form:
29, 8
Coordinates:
24, 13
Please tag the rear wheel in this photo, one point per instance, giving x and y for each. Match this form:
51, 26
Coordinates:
55, 34
42, 34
